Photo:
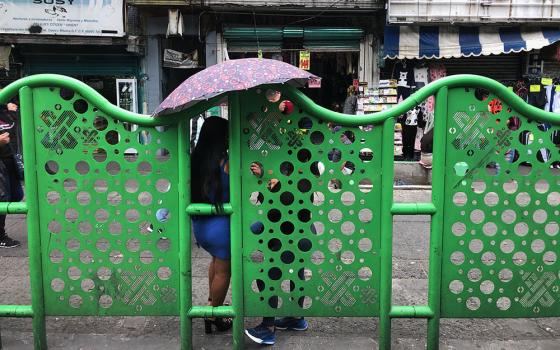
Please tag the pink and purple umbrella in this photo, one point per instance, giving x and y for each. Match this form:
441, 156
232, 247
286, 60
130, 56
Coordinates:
232, 75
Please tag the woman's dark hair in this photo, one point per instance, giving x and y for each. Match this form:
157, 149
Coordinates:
210, 150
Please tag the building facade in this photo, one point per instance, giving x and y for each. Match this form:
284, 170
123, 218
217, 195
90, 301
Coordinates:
342, 39
94, 41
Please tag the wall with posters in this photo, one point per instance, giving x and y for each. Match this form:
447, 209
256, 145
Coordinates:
62, 17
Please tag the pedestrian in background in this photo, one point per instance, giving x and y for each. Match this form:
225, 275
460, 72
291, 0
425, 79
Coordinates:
351, 102
265, 332
10, 178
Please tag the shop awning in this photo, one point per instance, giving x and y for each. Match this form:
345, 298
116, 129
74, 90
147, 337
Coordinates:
454, 41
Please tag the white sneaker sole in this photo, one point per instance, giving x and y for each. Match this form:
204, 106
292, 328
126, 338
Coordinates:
257, 340
10, 247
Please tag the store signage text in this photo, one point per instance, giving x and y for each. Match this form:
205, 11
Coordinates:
53, 2
62, 17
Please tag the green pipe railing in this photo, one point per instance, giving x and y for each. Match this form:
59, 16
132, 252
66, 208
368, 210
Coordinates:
13, 207
461, 80
209, 311
16, 311
411, 311
208, 209
413, 209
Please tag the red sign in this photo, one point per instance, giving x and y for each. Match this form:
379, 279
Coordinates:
356, 84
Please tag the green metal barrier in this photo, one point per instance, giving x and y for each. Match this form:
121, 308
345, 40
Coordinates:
108, 208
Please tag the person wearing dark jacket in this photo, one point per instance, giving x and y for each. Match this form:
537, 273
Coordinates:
10, 185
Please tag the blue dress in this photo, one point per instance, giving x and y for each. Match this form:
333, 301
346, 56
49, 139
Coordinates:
212, 232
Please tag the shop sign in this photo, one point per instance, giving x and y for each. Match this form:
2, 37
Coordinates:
126, 95
546, 81
177, 59
314, 83
304, 60
62, 17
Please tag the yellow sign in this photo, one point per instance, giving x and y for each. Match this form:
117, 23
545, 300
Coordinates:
304, 60
259, 54
546, 81
557, 88
535, 88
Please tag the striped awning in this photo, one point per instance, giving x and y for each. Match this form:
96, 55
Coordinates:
454, 41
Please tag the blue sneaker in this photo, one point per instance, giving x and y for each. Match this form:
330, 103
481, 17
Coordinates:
261, 335
291, 323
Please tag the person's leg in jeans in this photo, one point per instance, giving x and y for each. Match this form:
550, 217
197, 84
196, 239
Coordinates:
265, 333
293, 323
409, 138
10, 191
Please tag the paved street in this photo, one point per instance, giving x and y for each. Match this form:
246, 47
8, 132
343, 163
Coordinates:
410, 287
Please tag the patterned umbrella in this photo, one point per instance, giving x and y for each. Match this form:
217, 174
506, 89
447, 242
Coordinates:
231, 75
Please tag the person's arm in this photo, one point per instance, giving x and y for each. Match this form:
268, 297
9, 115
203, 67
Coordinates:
4, 138
226, 167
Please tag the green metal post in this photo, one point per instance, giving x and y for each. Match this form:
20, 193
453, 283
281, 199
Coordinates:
185, 283
235, 218
387, 158
33, 224
436, 229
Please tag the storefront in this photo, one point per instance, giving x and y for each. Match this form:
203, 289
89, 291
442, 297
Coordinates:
418, 55
99, 67
333, 53
493, 51
83, 40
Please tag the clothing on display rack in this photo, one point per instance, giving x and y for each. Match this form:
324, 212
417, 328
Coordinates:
421, 77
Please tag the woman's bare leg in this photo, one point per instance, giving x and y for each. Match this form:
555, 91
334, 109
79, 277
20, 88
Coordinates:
220, 282
210, 279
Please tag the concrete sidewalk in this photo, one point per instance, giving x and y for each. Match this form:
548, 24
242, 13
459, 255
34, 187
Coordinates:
411, 241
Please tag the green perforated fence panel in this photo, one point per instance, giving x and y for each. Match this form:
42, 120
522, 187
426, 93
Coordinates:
312, 235
108, 210
500, 246
311, 228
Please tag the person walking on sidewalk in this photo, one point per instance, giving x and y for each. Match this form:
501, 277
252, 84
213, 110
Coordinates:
10, 185
265, 332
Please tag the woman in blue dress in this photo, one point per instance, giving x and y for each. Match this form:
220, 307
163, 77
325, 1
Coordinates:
210, 184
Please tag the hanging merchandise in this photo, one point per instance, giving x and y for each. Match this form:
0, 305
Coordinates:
175, 25
421, 76
537, 95
5, 57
